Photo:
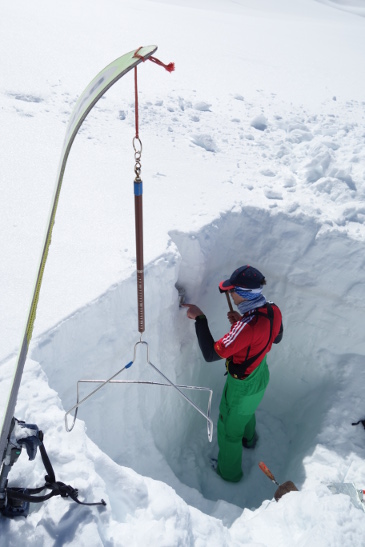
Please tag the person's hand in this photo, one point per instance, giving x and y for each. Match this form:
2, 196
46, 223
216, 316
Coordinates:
193, 311
233, 316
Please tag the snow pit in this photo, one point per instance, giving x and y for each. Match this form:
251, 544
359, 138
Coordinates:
311, 274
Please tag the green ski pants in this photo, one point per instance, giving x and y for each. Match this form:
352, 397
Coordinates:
240, 399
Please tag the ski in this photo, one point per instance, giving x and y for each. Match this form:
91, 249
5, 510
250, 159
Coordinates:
93, 92
348, 488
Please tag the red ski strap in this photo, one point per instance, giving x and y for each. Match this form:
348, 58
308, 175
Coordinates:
170, 67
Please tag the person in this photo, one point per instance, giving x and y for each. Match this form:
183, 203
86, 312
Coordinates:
254, 328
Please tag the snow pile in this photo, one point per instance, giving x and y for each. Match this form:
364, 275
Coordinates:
257, 167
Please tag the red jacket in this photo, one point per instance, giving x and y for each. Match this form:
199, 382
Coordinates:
252, 336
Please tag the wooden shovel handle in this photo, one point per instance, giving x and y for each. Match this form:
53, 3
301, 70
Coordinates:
267, 472
229, 301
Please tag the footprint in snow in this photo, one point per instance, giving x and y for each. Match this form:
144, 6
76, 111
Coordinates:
26, 98
206, 142
202, 107
259, 123
268, 173
272, 194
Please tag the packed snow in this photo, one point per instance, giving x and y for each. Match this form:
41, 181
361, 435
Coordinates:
253, 152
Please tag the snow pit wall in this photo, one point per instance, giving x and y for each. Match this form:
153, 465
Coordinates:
315, 278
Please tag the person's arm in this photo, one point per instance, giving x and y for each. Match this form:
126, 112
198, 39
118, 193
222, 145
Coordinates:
233, 317
205, 339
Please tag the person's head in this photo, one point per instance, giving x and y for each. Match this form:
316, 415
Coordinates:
246, 283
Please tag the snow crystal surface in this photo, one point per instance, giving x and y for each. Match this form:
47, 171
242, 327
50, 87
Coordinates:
253, 152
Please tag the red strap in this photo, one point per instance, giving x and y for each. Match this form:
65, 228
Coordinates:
136, 103
169, 67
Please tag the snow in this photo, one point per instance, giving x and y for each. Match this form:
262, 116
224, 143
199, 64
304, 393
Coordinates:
253, 152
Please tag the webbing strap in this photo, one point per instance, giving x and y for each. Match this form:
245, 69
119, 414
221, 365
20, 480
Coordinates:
57, 488
359, 422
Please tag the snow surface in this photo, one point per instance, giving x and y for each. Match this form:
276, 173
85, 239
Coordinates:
253, 152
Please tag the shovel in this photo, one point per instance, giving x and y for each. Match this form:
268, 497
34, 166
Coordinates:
284, 488
229, 301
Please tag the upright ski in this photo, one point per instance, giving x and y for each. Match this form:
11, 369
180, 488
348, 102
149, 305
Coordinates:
94, 91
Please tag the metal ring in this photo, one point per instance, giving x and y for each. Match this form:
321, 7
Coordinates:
139, 148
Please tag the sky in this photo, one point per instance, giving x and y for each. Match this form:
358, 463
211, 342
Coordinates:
252, 153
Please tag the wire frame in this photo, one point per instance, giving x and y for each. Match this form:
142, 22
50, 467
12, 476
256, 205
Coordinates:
168, 383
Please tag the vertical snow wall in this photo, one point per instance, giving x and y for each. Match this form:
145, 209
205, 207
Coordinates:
313, 275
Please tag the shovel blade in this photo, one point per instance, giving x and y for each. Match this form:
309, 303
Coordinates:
285, 488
